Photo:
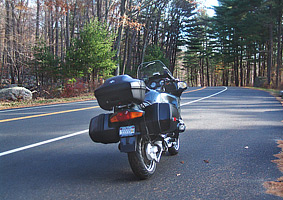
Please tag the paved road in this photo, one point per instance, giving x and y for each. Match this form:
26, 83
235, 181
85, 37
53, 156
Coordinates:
50, 155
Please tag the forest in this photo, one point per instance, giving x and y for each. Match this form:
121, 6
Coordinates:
62, 46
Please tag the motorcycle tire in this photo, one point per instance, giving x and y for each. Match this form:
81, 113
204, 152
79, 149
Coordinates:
174, 150
141, 166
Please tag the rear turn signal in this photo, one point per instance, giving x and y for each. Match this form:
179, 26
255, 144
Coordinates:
125, 116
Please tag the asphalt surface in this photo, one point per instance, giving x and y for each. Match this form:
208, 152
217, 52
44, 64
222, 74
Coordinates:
225, 153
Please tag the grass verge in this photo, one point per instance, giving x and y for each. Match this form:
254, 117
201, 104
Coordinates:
273, 92
41, 101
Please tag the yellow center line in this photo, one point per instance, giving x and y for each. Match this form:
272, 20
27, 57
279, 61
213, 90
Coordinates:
47, 114
195, 90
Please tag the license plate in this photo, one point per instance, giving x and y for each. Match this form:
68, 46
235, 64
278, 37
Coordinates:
127, 131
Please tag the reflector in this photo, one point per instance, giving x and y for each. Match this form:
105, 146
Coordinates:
125, 116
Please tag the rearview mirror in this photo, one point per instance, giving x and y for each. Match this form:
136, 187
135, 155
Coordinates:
182, 85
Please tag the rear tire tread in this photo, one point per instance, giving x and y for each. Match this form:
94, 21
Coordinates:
137, 164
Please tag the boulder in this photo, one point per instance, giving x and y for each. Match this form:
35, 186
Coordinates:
15, 93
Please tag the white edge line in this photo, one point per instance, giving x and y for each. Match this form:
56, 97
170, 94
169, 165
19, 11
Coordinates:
85, 131
42, 143
204, 97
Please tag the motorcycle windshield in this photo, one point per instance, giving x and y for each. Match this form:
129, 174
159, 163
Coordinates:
153, 68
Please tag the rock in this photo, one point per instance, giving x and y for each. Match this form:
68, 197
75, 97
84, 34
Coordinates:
15, 93
260, 81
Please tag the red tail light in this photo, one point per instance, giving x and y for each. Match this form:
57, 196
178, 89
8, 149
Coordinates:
125, 116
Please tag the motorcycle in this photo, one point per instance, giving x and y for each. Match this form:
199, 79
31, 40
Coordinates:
145, 116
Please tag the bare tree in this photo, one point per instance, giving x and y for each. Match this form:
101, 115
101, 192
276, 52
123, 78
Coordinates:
117, 45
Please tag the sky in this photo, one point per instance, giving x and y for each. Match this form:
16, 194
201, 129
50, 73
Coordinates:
208, 5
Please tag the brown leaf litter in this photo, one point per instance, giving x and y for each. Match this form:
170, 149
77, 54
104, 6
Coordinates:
276, 187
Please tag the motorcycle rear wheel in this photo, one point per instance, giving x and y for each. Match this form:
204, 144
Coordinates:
174, 150
142, 167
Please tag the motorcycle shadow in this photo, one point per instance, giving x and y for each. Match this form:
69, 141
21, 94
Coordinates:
104, 167
98, 167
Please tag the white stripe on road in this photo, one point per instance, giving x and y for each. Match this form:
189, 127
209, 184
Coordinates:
225, 88
85, 131
42, 143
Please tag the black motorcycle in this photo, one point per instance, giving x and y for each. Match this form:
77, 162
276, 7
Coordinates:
146, 119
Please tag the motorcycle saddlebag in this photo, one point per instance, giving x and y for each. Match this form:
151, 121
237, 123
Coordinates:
101, 131
161, 118
120, 90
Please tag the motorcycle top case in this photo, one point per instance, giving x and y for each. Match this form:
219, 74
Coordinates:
100, 130
120, 90
161, 118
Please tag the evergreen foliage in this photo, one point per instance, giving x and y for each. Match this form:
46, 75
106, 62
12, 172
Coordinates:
92, 51
237, 45
154, 52
47, 64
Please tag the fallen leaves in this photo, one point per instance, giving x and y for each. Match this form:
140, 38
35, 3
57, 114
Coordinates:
276, 187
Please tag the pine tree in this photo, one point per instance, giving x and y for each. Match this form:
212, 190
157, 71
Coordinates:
91, 52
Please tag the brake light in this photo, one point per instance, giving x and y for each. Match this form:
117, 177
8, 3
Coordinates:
125, 116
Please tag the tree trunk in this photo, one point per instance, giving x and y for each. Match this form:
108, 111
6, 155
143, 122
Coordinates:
98, 9
2, 69
227, 77
196, 77
264, 60
145, 38
207, 71
248, 69
157, 28
46, 25
87, 11
175, 47
16, 55
130, 49
74, 20
223, 77
241, 68
37, 37
279, 47
119, 36
56, 31
125, 51
8, 42
107, 7
51, 36
236, 71
201, 72
62, 38
37, 20
67, 26
270, 50
259, 61
255, 68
